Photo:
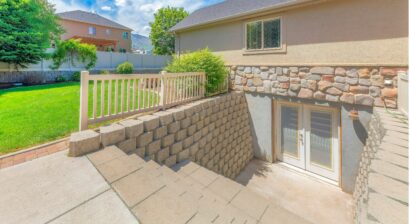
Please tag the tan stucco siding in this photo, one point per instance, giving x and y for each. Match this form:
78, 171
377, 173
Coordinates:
340, 32
73, 28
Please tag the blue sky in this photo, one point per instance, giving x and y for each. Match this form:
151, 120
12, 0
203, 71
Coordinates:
135, 14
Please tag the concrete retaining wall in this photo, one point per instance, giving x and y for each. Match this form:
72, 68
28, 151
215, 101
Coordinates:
213, 132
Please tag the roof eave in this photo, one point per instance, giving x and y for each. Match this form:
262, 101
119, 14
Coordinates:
80, 21
275, 7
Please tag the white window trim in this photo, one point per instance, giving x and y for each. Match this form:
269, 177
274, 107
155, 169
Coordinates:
281, 48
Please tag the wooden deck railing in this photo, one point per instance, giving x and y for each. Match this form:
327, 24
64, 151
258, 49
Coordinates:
107, 97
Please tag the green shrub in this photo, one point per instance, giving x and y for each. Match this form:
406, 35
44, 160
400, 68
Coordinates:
60, 78
76, 77
201, 61
104, 72
125, 68
73, 50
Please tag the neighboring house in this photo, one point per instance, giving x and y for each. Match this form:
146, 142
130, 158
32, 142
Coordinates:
313, 70
94, 29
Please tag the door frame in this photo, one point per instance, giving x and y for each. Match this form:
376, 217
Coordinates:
316, 168
336, 137
298, 162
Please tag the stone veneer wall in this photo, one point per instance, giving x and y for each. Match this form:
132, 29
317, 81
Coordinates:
213, 132
351, 85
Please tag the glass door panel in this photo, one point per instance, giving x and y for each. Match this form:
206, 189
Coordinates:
322, 147
290, 138
289, 130
321, 139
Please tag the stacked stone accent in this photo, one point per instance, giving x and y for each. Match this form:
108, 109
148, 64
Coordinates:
361, 86
213, 132
381, 191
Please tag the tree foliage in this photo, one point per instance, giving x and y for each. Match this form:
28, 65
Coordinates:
164, 19
201, 61
73, 50
27, 28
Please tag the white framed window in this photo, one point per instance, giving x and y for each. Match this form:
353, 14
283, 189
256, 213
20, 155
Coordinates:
264, 34
125, 35
92, 30
107, 32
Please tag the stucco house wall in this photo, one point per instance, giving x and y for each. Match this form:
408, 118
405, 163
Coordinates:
75, 28
337, 32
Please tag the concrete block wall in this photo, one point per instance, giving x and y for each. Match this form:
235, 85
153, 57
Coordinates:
381, 191
213, 132
375, 134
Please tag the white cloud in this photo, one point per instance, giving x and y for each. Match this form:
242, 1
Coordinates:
131, 13
63, 6
138, 14
106, 8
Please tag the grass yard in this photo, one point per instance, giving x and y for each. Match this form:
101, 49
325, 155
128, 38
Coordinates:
38, 114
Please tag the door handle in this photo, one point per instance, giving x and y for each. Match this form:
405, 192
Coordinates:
301, 138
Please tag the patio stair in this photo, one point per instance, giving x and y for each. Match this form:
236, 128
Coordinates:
185, 193
386, 193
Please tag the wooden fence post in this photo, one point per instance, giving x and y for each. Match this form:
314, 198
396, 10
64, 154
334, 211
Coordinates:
84, 101
162, 95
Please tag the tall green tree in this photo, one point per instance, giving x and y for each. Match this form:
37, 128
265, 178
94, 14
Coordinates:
27, 28
164, 19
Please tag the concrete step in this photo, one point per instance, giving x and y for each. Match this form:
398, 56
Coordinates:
390, 170
395, 141
397, 149
396, 134
387, 210
187, 193
392, 158
388, 187
404, 130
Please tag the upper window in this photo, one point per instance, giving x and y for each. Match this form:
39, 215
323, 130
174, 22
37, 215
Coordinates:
92, 30
125, 35
264, 34
107, 32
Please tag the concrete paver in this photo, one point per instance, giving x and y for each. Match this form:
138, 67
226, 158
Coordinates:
305, 196
225, 188
390, 169
276, 214
389, 187
251, 203
120, 167
42, 189
164, 207
105, 155
204, 176
387, 210
106, 208
136, 187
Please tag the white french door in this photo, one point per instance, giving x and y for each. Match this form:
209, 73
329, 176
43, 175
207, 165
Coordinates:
308, 138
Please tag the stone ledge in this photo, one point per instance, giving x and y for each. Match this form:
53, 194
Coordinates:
350, 85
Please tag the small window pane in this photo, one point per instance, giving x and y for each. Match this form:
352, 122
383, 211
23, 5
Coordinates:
271, 34
92, 30
125, 35
254, 35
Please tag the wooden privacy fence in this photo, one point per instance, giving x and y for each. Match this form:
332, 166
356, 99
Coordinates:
117, 96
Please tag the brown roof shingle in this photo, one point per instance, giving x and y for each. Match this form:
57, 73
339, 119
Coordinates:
92, 18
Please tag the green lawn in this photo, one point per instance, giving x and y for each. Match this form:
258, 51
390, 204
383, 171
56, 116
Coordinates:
38, 114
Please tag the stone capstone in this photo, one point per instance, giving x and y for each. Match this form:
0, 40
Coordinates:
83, 142
111, 135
